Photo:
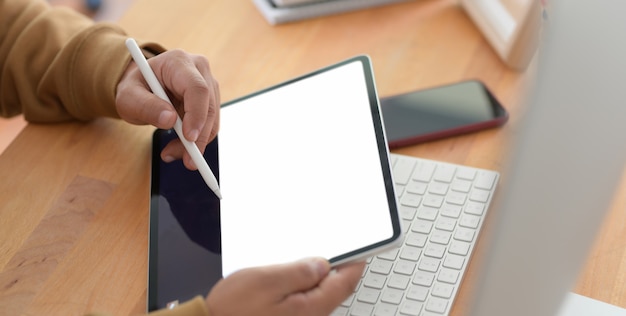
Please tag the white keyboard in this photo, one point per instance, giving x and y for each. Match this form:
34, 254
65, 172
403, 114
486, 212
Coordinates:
442, 207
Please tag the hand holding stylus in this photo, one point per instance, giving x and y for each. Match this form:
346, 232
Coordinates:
164, 118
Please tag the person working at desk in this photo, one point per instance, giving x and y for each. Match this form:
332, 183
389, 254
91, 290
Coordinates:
57, 65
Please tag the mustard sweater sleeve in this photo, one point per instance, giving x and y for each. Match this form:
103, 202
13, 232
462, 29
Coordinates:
57, 65
194, 307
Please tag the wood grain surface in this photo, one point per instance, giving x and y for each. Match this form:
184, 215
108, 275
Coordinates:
75, 196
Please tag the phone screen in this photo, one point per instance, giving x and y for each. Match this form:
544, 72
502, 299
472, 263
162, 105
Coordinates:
439, 112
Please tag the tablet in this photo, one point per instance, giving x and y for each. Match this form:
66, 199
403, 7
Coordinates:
303, 170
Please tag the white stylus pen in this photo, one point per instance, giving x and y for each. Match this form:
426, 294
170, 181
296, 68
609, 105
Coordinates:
158, 90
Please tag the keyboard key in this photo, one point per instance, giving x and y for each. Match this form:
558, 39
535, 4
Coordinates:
440, 237
479, 195
362, 309
389, 255
442, 290
464, 234
368, 295
381, 266
404, 267
475, 208
444, 173
399, 281
456, 198
448, 276
461, 186
423, 278
399, 189
424, 171
469, 221
417, 187
454, 262
433, 200
422, 226
434, 251
416, 240
407, 212
429, 264
374, 280
402, 170
437, 305
466, 173
406, 226
446, 224
439, 188
340, 311
383, 309
410, 253
410, 199
459, 248
418, 293
348, 301
392, 296
450, 210
411, 308
427, 213
485, 180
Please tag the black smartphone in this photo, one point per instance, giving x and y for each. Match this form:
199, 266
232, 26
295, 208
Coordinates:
439, 112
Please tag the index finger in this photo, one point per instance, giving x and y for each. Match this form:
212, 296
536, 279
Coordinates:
211, 125
187, 78
200, 101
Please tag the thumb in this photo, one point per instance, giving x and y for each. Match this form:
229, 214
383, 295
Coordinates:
157, 112
137, 105
300, 276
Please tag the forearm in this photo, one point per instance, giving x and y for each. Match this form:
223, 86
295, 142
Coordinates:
57, 65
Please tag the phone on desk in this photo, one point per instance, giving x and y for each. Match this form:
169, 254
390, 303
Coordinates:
443, 111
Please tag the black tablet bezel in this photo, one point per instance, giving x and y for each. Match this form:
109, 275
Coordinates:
382, 147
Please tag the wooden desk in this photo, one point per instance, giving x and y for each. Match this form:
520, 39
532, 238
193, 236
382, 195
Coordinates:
74, 211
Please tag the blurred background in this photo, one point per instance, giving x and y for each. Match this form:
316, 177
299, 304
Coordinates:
99, 10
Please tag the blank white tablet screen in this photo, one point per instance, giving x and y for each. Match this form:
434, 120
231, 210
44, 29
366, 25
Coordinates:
300, 172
